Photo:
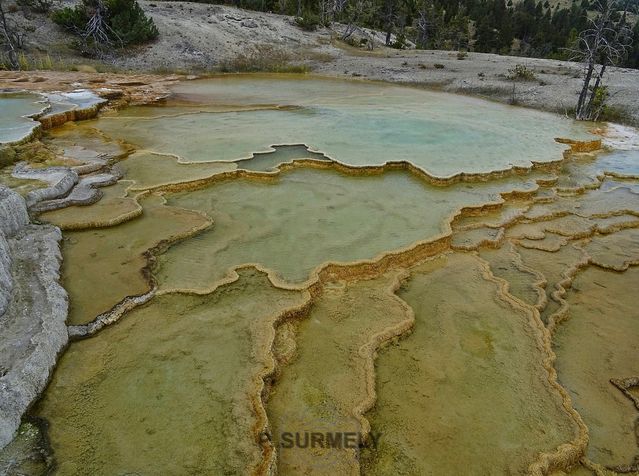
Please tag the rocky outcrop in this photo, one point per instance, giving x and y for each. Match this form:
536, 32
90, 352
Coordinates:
6, 282
13, 212
60, 179
33, 310
67, 186
86, 192
78, 105
33, 305
13, 216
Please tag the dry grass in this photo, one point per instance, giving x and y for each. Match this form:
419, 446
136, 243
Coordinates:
357, 50
50, 63
318, 56
262, 58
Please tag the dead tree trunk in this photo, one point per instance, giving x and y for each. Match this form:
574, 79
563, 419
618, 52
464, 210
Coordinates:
11, 40
423, 27
581, 110
389, 20
593, 94
605, 43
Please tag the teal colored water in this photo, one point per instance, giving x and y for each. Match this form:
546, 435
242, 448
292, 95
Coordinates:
15, 109
296, 222
356, 123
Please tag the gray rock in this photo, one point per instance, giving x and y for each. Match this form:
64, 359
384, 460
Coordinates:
13, 211
33, 310
32, 330
13, 217
61, 180
85, 192
6, 281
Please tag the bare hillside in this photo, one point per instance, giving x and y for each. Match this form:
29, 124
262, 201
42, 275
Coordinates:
201, 38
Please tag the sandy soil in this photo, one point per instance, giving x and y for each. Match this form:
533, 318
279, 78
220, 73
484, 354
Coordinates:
198, 38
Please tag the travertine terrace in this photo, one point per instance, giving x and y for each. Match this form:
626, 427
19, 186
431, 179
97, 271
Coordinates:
260, 263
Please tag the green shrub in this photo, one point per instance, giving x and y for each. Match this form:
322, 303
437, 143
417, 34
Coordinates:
128, 21
124, 22
521, 73
400, 42
462, 55
72, 19
309, 21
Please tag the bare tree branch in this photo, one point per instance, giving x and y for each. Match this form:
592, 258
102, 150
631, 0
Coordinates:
10, 38
605, 44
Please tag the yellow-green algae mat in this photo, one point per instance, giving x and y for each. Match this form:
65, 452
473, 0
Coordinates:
185, 372
469, 387
336, 283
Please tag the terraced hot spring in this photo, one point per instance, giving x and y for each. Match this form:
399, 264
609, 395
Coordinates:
355, 123
311, 276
